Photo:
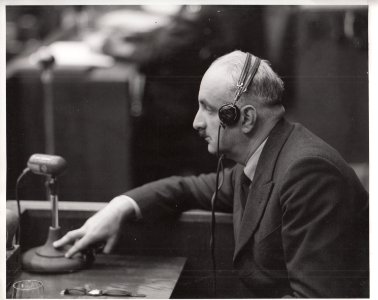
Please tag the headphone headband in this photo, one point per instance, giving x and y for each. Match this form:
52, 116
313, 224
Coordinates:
246, 76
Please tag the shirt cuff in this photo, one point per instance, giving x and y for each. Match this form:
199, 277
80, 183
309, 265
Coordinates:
138, 214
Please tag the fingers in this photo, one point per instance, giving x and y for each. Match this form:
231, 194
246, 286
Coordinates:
69, 238
80, 245
76, 237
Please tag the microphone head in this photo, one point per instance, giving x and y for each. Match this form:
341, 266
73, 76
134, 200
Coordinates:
45, 164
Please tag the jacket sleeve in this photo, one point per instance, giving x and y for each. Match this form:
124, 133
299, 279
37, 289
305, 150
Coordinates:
325, 230
173, 195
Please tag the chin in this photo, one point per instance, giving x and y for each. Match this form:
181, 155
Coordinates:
211, 149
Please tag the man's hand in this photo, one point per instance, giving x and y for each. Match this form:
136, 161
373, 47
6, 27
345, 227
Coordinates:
103, 226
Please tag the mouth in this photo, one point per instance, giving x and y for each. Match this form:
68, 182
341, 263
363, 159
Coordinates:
204, 136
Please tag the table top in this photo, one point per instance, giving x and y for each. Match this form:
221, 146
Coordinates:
155, 277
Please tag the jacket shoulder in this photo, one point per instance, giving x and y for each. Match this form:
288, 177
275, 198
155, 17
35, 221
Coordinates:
303, 145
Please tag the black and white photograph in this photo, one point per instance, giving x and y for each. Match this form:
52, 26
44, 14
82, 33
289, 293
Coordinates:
187, 150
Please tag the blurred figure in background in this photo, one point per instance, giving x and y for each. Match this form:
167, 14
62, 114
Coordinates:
28, 26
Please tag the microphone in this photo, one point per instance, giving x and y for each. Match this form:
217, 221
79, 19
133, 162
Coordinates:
47, 258
45, 164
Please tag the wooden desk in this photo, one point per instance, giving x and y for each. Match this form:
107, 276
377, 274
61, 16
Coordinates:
155, 277
185, 236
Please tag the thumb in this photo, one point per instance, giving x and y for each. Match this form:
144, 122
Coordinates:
110, 244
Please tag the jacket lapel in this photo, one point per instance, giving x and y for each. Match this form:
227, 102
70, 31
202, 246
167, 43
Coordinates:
237, 209
261, 185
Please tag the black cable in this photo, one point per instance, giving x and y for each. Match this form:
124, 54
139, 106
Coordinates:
24, 172
218, 140
213, 221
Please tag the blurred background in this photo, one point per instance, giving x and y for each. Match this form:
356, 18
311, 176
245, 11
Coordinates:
113, 89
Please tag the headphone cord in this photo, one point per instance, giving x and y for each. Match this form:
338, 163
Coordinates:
218, 186
24, 172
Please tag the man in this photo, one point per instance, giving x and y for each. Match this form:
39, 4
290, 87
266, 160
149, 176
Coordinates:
301, 230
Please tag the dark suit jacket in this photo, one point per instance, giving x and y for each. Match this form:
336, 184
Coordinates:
304, 230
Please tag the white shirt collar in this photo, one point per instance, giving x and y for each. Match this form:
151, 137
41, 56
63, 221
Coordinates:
250, 167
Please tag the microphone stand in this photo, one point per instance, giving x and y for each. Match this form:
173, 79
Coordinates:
47, 258
52, 186
48, 250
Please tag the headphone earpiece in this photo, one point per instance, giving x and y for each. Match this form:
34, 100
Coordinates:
228, 114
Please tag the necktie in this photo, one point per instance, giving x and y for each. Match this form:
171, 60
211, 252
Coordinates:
244, 183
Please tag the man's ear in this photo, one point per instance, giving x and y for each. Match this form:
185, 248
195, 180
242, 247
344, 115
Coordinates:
249, 117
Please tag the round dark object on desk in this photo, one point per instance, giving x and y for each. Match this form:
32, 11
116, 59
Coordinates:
47, 259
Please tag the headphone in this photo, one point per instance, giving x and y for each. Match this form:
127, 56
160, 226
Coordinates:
229, 113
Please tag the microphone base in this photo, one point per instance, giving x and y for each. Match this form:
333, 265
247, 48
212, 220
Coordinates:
47, 259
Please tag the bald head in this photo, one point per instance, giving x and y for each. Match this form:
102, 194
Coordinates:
266, 87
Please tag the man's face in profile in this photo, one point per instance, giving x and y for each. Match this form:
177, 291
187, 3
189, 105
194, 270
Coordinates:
214, 92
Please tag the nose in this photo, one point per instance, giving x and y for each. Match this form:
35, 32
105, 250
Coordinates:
198, 122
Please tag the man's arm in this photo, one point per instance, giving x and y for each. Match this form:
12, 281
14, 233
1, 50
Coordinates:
176, 194
166, 196
324, 238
